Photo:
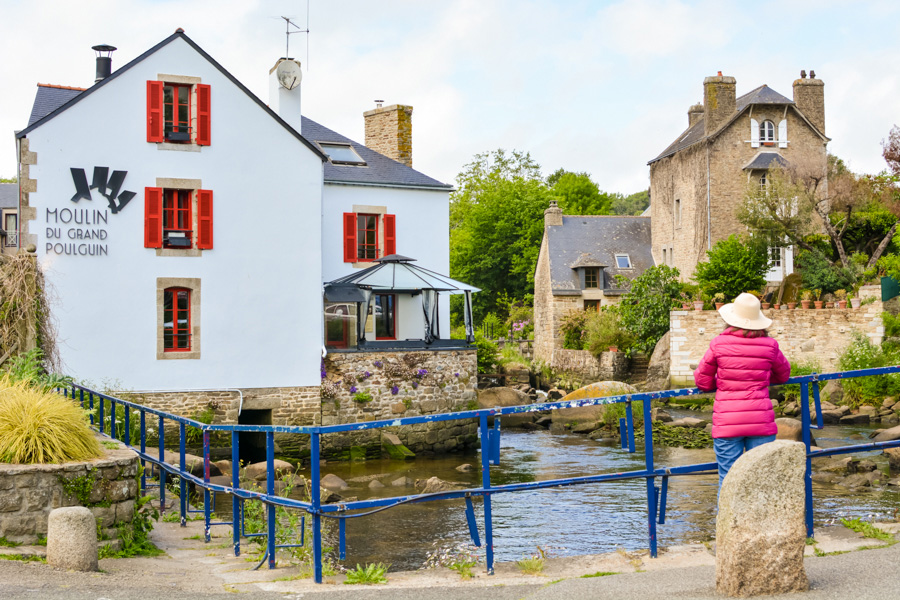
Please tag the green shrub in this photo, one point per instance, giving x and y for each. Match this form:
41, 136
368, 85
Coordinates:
572, 327
604, 329
29, 367
42, 427
817, 272
792, 391
735, 265
492, 326
520, 322
487, 354
370, 574
863, 354
510, 355
644, 310
891, 324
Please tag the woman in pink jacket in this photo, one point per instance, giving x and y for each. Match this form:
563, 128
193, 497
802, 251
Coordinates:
740, 364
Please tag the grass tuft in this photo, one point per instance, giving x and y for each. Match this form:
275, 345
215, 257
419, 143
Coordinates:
368, 575
867, 529
600, 574
42, 427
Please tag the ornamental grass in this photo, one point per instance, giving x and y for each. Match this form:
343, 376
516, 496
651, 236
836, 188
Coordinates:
42, 427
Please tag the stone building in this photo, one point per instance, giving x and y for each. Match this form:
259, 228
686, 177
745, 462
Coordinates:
699, 181
577, 266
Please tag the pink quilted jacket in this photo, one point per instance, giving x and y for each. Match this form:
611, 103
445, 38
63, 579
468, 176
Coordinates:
740, 370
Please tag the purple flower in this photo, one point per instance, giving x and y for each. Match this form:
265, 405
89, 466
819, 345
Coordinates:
352, 389
394, 390
367, 374
456, 374
415, 384
421, 373
322, 368
377, 363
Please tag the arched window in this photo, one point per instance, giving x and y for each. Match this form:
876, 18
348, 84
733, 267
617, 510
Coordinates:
764, 181
767, 133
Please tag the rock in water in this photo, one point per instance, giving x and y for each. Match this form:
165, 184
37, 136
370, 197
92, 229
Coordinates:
760, 529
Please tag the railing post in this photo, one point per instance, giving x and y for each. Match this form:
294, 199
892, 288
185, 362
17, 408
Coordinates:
91, 405
112, 418
127, 432
236, 513
143, 452
81, 397
182, 466
315, 493
206, 508
162, 458
486, 483
651, 481
101, 416
807, 439
270, 490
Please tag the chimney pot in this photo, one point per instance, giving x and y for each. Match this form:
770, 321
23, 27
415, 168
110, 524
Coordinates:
719, 101
389, 131
809, 97
104, 61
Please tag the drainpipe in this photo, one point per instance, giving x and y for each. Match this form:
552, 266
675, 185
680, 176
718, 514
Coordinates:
239, 392
708, 219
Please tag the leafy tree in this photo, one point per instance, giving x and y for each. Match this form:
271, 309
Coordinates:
735, 265
817, 272
577, 194
8, 180
496, 226
634, 204
644, 309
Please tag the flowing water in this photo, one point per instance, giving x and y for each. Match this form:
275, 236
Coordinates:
573, 520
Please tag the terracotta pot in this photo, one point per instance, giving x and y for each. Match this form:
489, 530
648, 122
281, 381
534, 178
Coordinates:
698, 306
766, 305
613, 348
719, 305
829, 305
804, 304
792, 305
685, 306
842, 304
855, 302
777, 306
818, 303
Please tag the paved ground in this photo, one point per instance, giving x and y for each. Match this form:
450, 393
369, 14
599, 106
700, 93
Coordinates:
192, 569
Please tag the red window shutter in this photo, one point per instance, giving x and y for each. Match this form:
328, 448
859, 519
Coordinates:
204, 134
390, 234
350, 237
155, 111
205, 219
153, 208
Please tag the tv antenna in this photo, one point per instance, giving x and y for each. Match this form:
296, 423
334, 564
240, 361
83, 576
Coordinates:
288, 24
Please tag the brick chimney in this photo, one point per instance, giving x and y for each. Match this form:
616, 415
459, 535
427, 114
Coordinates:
553, 215
694, 114
389, 131
809, 96
718, 101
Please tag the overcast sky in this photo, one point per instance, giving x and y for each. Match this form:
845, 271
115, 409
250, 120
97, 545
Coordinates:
601, 87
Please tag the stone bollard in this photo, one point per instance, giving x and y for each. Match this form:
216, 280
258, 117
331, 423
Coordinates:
760, 529
72, 539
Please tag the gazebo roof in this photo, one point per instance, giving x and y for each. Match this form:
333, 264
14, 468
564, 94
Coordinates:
394, 272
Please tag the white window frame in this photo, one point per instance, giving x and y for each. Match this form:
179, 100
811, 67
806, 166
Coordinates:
627, 261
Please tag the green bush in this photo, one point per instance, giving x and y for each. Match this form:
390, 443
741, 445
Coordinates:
644, 309
817, 272
604, 329
735, 265
487, 354
572, 327
29, 366
520, 322
863, 354
792, 391
492, 326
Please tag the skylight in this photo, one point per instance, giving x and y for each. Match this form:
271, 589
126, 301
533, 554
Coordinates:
623, 261
341, 154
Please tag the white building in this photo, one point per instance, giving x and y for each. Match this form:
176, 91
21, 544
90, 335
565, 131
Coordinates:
187, 227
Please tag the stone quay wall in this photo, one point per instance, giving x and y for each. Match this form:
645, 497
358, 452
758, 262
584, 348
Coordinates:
610, 366
388, 385
107, 486
817, 336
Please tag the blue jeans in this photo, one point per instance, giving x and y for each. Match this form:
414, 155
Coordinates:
730, 449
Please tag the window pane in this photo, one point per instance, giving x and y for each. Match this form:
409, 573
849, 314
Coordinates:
168, 112
341, 153
384, 316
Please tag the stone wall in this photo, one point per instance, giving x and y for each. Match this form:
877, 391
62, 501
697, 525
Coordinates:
400, 384
29, 492
808, 336
389, 132
581, 364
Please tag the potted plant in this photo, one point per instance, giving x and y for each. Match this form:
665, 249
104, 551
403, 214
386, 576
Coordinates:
719, 299
805, 298
613, 348
841, 296
817, 298
685, 301
698, 300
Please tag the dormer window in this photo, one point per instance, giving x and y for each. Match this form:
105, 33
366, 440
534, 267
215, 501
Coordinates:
764, 133
767, 133
623, 261
591, 277
341, 154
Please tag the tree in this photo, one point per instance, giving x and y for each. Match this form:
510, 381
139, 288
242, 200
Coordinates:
735, 265
577, 194
8, 180
496, 226
635, 204
644, 309
803, 198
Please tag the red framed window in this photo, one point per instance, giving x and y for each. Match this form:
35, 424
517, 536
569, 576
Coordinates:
177, 320
368, 237
592, 305
168, 218
592, 277
385, 317
177, 228
177, 113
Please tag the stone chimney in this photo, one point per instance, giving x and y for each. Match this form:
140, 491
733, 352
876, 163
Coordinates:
389, 131
718, 101
553, 215
284, 91
694, 114
809, 96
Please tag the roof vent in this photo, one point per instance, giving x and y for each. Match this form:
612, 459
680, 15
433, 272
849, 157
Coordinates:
104, 61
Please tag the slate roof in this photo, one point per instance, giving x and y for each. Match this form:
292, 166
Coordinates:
379, 169
764, 159
582, 241
49, 98
9, 195
695, 133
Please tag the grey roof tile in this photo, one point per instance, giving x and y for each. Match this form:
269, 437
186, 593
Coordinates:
9, 195
379, 169
596, 239
764, 160
48, 99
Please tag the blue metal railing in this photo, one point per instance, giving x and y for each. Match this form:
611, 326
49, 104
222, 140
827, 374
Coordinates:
490, 455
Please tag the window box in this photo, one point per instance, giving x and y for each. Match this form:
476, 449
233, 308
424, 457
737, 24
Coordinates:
176, 239
178, 136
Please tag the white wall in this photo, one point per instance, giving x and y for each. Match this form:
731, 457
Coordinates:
423, 233
261, 313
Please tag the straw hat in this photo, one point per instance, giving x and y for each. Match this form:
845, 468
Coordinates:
744, 312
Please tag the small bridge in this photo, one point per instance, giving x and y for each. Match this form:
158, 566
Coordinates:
117, 419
